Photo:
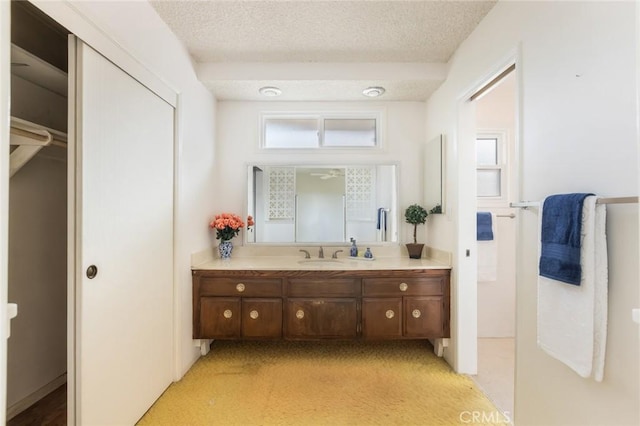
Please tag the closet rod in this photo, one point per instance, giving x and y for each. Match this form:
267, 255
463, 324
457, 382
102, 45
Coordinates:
40, 134
614, 200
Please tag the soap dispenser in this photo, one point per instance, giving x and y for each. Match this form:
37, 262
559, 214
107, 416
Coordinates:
353, 252
368, 254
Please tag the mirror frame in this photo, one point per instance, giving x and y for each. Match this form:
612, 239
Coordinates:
309, 164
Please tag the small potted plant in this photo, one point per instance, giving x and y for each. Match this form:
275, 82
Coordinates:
415, 215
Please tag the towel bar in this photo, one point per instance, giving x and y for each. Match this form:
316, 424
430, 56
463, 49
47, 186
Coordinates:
617, 200
510, 216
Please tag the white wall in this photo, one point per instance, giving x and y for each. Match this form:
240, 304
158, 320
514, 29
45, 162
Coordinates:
238, 138
578, 133
136, 28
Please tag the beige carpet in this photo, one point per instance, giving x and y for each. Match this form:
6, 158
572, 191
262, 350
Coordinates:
322, 383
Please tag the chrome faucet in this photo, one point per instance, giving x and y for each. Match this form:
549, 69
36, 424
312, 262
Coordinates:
335, 254
306, 254
320, 253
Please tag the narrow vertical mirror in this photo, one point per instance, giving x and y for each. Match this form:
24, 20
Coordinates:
434, 175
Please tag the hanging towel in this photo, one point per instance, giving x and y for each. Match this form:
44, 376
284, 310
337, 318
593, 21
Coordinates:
560, 237
487, 250
572, 320
382, 219
484, 226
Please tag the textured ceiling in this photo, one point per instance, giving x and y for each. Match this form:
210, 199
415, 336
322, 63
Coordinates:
282, 32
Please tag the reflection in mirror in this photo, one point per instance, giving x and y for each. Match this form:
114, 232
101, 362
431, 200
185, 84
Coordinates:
322, 204
434, 175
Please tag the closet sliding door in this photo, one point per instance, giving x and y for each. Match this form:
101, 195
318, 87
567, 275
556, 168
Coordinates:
123, 225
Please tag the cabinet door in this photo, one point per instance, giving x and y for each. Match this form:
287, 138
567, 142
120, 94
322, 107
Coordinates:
262, 317
382, 317
423, 317
322, 318
219, 317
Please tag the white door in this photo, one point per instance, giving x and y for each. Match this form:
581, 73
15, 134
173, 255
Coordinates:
5, 87
123, 206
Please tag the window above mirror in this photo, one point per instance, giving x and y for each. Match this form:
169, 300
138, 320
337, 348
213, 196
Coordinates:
320, 130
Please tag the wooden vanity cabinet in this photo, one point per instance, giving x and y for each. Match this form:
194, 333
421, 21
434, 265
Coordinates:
315, 305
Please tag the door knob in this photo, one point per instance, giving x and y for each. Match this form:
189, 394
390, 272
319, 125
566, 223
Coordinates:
92, 271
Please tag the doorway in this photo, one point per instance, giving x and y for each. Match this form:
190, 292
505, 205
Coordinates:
496, 182
37, 348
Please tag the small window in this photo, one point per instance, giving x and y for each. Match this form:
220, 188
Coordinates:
490, 165
343, 130
349, 132
291, 132
487, 152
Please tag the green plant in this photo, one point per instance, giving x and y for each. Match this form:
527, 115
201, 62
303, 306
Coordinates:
436, 210
415, 215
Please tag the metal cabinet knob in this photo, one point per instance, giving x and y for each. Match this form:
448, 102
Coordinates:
416, 313
300, 314
390, 314
403, 286
227, 313
240, 287
254, 314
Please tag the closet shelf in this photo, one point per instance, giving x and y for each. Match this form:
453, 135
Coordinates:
30, 138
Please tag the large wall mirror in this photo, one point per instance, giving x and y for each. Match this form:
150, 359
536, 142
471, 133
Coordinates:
322, 204
434, 175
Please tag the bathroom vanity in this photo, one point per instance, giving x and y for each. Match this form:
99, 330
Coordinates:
321, 300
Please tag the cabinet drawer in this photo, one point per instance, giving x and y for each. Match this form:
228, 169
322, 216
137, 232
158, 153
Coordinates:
333, 287
403, 286
251, 287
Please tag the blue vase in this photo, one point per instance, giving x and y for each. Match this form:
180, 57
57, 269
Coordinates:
225, 248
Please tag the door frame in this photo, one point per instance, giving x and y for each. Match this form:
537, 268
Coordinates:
5, 89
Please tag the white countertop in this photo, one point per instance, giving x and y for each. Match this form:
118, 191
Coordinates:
297, 263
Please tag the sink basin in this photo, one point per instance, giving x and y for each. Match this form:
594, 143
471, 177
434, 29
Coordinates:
318, 261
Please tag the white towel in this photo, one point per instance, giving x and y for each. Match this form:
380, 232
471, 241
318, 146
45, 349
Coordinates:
488, 255
572, 320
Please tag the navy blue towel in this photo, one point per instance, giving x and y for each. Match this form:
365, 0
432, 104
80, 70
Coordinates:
560, 237
483, 226
382, 219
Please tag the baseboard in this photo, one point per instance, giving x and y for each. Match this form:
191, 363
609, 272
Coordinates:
36, 396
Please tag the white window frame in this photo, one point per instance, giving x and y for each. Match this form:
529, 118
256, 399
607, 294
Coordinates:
321, 117
502, 164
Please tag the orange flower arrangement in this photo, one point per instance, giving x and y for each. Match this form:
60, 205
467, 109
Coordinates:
228, 225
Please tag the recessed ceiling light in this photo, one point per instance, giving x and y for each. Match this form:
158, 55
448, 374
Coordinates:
270, 91
373, 92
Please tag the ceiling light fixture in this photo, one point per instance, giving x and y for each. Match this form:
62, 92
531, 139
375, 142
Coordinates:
270, 91
373, 92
